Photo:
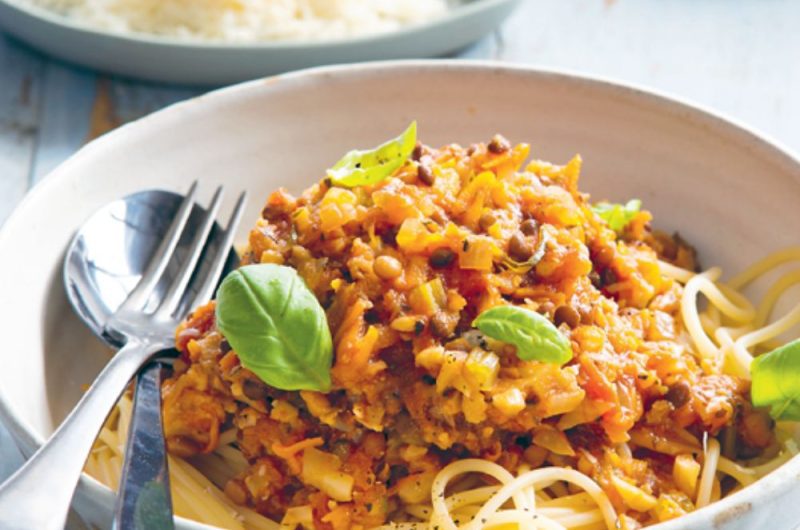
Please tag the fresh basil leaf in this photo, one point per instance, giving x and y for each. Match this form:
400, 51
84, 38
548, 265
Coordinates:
276, 326
618, 215
776, 381
535, 337
360, 168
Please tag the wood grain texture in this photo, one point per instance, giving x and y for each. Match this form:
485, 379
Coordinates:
738, 57
20, 98
67, 95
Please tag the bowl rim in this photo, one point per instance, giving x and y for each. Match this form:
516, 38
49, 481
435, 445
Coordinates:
452, 14
715, 122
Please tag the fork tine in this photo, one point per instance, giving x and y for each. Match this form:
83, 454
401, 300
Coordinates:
158, 263
176, 289
206, 290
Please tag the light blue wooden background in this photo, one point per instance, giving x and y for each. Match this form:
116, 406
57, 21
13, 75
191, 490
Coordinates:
738, 57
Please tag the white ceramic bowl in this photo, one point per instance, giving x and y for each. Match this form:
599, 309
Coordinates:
209, 63
727, 190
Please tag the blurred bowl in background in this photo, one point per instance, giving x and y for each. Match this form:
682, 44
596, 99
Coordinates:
189, 62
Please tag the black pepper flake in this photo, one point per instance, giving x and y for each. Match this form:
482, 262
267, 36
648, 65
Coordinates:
224, 346
419, 327
465, 245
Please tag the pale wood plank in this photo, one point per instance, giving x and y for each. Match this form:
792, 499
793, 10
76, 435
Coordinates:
739, 59
134, 99
20, 73
67, 98
79, 105
20, 87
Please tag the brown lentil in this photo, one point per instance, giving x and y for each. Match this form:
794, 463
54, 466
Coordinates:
518, 248
678, 394
545, 308
416, 154
487, 220
441, 257
498, 145
566, 314
387, 267
529, 227
425, 174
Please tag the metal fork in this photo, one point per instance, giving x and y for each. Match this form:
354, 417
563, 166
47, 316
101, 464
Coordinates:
38, 495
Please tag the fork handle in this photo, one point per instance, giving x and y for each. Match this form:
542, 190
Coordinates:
143, 496
38, 495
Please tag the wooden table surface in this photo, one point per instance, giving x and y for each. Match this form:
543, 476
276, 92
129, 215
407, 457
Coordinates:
737, 57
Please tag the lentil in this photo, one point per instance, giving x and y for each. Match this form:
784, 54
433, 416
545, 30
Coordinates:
518, 248
387, 267
441, 257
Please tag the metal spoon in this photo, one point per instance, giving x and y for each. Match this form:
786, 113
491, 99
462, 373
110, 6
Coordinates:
98, 279
102, 268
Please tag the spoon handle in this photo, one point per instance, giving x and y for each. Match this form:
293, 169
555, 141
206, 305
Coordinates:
38, 495
144, 501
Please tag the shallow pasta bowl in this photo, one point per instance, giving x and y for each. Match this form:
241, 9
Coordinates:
731, 192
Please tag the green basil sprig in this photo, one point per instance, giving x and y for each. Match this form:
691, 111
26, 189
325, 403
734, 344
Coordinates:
360, 168
776, 381
535, 337
276, 326
618, 215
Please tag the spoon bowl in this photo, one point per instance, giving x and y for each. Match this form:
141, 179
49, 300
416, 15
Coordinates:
106, 254
109, 255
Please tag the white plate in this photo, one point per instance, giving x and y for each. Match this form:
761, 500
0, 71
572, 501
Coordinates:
178, 61
730, 192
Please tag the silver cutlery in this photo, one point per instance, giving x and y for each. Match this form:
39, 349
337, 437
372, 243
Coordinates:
130, 306
144, 501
